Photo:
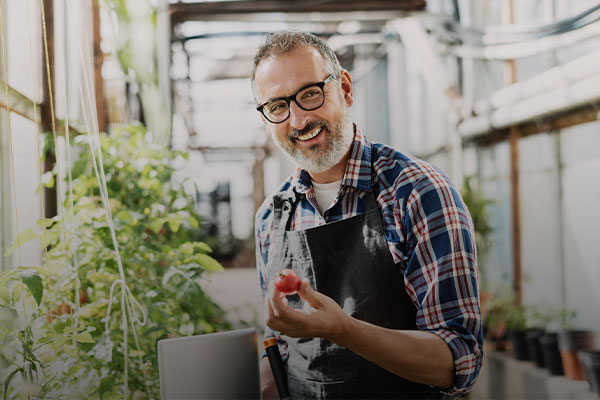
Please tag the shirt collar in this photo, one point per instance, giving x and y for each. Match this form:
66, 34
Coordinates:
358, 167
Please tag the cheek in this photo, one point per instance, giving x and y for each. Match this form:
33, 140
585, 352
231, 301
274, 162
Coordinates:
277, 132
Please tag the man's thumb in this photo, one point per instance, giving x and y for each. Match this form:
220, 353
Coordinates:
308, 294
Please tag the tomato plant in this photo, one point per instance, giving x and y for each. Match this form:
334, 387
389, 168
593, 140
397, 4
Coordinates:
53, 341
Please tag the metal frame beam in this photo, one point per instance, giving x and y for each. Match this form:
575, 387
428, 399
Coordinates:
20, 104
203, 11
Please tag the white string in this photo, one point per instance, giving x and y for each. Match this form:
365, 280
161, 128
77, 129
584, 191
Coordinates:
74, 223
37, 124
129, 304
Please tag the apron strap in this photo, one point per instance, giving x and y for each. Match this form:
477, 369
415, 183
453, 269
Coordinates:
282, 207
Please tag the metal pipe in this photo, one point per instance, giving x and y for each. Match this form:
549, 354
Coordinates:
547, 102
580, 68
524, 49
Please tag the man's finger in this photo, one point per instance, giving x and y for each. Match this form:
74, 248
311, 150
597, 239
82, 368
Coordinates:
268, 309
308, 294
277, 303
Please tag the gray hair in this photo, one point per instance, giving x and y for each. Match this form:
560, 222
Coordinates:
283, 42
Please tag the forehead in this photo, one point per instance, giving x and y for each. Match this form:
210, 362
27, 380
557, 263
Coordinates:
281, 75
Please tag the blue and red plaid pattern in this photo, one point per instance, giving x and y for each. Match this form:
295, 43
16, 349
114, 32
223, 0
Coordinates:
429, 233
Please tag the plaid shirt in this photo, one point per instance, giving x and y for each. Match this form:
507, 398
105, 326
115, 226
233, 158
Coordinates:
429, 233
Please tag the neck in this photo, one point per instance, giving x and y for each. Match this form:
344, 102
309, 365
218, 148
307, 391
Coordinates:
334, 173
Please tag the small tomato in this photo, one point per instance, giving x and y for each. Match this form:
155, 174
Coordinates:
288, 282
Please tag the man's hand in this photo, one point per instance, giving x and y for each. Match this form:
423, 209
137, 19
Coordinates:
320, 317
419, 356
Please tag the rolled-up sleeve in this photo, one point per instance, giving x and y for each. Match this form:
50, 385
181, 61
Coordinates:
441, 273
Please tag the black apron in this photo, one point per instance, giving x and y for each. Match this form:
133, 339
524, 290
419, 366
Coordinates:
349, 261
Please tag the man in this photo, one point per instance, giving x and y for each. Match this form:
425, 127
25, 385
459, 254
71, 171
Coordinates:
388, 305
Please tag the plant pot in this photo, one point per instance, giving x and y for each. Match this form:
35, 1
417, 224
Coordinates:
591, 367
570, 343
552, 359
532, 336
519, 345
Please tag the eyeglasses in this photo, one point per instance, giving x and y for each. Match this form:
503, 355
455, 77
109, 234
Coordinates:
308, 98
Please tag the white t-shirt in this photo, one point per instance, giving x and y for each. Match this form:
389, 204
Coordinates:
325, 193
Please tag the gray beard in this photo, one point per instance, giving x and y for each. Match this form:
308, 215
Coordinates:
339, 139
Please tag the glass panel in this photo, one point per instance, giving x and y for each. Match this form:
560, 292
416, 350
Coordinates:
494, 176
23, 44
540, 222
581, 220
28, 201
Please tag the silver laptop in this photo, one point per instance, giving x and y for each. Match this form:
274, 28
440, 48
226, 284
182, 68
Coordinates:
221, 365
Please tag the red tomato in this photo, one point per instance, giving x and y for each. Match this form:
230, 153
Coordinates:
288, 282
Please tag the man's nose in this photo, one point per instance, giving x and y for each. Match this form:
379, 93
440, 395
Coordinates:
298, 117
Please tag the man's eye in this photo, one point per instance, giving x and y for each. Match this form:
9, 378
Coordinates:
277, 107
311, 93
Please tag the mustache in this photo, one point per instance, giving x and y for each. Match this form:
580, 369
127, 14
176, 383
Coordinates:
309, 127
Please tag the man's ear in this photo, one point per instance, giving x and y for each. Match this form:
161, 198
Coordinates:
347, 87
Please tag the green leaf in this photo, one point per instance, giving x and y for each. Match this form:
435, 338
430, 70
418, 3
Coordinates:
4, 294
124, 215
9, 378
203, 247
106, 385
50, 238
187, 249
84, 337
45, 222
101, 277
209, 263
156, 225
174, 224
188, 266
34, 283
170, 272
193, 222
22, 238
74, 369
112, 396
48, 179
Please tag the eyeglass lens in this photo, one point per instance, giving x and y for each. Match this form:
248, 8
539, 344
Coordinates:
308, 99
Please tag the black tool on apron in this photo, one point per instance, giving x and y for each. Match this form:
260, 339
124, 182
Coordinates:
349, 261
277, 367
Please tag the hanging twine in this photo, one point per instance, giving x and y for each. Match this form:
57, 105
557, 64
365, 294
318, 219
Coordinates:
129, 305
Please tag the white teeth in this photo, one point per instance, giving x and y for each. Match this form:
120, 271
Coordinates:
310, 134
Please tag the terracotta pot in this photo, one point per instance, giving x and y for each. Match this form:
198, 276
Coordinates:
570, 343
571, 365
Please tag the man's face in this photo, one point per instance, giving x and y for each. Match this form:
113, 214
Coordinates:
319, 139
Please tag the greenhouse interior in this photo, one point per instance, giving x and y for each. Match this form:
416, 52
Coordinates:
134, 169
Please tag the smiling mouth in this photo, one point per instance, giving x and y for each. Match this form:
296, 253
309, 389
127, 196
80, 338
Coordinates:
309, 135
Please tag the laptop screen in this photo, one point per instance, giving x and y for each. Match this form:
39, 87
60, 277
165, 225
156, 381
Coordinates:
221, 365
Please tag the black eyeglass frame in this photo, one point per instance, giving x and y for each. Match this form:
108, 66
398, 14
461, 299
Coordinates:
288, 99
